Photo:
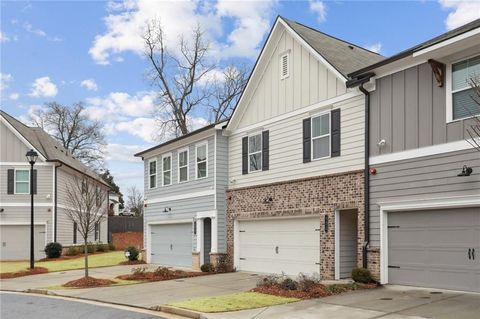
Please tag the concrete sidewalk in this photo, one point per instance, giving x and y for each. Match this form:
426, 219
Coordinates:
389, 302
145, 295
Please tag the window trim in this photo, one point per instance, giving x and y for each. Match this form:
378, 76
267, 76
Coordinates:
171, 169
448, 89
324, 135
15, 181
150, 174
261, 151
185, 149
285, 54
204, 143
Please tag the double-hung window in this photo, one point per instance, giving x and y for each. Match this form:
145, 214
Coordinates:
463, 72
321, 136
183, 165
201, 160
22, 181
167, 169
255, 153
152, 174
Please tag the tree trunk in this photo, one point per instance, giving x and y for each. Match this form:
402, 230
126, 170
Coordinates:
86, 257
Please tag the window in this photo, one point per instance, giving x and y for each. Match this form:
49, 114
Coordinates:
22, 181
284, 66
321, 136
98, 196
167, 170
201, 160
463, 104
75, 226
183, 165
97, 231
152, 172
255, 153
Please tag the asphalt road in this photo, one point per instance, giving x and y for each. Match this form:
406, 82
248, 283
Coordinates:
20, 306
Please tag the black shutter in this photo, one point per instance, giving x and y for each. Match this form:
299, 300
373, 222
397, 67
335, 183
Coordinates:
34, 181
335, 134
74, 233
11, 181
265, 150
245, 155
307, 136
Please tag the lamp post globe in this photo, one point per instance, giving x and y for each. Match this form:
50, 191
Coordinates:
32, 158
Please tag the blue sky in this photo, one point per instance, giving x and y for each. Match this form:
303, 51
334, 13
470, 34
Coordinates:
91, 51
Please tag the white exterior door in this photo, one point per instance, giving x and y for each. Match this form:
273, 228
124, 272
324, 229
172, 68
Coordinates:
288, 245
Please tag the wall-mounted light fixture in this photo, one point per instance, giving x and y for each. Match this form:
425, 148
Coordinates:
381, 143
167, 209
267, 200
2, 210
466, 171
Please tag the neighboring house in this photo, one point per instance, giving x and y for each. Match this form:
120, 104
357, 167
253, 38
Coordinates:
54, 170
424, 218
113, 204
185, 183
295, 199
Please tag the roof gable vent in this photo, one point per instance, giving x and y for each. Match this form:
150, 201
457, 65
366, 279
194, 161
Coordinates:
284, 65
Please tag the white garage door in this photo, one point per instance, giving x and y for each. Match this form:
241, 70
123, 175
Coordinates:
435, 248
171, 244
15, 242
280, 245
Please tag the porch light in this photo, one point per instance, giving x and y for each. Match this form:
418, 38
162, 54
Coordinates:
466, 171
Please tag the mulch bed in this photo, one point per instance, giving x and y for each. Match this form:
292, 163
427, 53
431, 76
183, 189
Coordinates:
133, 262
317, 291
165, 275
88, 282
27, 272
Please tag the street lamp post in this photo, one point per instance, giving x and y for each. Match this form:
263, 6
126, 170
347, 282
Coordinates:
32, 158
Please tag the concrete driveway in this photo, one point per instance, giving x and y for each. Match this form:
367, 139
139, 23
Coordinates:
145, 295
389, 302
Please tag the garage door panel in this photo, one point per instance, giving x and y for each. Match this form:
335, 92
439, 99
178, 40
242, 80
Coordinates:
280, 245
430, 248
15, 242
171, 244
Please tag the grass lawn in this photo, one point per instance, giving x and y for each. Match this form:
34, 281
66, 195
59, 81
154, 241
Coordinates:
97, 260
233, 302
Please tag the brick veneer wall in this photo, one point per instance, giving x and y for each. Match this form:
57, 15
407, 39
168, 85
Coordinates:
317, 196
123, 240
373, 261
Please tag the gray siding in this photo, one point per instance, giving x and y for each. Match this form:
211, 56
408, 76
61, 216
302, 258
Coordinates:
432, 177
222, 184
408, 110
65, 230
12, 149
44, 185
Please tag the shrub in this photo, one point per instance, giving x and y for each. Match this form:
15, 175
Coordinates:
307, 283
289, 284
207, 267
362, 275
111, 246
139, 270
162, 272
72, 251
223, 266
133, 253
91, 248
101, 247
268, 281
53, 250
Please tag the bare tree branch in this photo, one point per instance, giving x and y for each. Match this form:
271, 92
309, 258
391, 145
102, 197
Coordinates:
473, 129
135, 200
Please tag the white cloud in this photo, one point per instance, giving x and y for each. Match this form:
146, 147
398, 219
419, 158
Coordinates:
122, 152
319, 8
43, 87
375, 47
5, 79
126, 24
462, 12
89, 84
121, 104
29, 28
14, 96
4, 37
142, 127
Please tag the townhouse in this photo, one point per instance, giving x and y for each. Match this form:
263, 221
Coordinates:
185, 208
424, 174
54, 171
295, 199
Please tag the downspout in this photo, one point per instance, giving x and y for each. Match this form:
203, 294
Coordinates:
56, 205
366, 177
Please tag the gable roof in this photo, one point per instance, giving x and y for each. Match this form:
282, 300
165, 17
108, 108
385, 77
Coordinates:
403, 54
344, 56
202, 129
50, 149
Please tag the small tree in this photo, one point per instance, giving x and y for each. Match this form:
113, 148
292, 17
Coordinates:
86, 207
108, 178
473, 130
135, 200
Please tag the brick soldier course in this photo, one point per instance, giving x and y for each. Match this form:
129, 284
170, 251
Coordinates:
316, 196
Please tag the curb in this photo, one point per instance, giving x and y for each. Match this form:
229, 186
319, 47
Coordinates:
179, 312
